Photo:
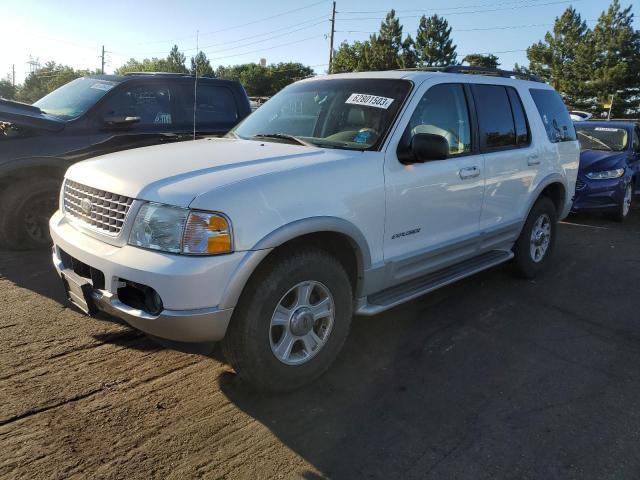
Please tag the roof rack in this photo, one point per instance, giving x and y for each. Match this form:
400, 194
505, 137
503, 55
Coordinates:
168, 74
495, 72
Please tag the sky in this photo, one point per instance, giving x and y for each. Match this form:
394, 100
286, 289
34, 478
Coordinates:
72, 32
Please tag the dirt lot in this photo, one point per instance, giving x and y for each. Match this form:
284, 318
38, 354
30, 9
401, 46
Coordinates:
490, 378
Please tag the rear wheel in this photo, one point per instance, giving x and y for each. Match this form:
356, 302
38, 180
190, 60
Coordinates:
291, 321
537, 239
25, 209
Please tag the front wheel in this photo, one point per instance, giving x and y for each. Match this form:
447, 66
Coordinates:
625, 208
537, 239
291, 321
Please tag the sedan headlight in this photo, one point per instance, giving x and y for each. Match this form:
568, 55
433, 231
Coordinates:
606, 174
180, 230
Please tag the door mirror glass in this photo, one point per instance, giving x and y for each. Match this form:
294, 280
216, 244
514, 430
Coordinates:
120, 120
426, 147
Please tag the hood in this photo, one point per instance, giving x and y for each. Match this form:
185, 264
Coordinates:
29, 116
177, 173
597, 160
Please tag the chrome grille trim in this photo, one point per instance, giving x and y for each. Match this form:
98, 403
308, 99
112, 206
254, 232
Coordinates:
108, 210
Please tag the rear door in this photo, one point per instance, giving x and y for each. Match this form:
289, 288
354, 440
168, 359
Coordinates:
217, 110
511, 160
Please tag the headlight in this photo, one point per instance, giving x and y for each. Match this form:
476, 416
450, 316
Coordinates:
606, 174
180, 230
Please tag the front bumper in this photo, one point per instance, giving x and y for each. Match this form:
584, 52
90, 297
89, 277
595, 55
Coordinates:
599, 195
194, 290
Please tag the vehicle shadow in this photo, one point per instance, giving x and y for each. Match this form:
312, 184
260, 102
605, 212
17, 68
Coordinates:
32, 270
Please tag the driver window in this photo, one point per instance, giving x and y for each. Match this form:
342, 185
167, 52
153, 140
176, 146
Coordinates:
443, 111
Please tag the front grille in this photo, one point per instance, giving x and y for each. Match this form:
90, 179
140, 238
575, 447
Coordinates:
100, 210
580, 184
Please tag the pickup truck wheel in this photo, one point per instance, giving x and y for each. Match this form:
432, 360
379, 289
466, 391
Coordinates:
537, 239
291, 321
25, 209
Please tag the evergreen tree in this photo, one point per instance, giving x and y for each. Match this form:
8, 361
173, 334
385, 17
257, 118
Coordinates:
617, 61
385, 49
433, 45
480, 60
565, 58
202, 63
176, 61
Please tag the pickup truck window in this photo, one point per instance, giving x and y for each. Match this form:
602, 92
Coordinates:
353, 114
443, 111
151, 103
216, 105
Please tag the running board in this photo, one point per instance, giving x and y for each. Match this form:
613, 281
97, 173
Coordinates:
389, 298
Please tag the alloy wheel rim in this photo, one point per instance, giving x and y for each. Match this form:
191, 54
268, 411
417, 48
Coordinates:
540, 238
626, 204
302, 322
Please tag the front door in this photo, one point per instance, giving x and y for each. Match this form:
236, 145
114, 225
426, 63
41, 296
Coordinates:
433, 208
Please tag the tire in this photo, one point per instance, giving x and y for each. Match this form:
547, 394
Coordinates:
25, 209
526, 260
625, 207
252, 339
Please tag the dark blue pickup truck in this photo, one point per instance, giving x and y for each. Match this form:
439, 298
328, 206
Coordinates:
92, 116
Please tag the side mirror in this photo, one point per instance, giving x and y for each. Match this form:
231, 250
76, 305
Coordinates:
120, 120
428, 146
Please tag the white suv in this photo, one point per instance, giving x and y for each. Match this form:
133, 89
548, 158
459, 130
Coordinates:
342, 194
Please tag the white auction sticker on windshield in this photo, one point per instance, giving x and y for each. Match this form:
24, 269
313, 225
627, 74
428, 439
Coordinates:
369, 100
103, 86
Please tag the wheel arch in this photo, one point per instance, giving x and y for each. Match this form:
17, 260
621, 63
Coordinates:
553, 187
33, 167
334, 235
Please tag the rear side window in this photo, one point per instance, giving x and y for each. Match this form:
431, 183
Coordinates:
554, 115
215, 108
523, 136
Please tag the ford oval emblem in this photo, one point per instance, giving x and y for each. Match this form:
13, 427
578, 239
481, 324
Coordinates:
86, 205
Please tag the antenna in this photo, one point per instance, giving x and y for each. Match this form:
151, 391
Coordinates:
195, 84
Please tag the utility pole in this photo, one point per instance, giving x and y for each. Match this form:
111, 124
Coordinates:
333, 30
102, 57
13, 74
610, 107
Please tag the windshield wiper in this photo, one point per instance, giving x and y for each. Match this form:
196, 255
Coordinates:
595, 140
284, 136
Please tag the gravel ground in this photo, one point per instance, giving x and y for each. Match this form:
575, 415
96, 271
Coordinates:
493, 377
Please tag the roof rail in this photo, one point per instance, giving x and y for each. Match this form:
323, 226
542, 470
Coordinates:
495, 72
169, 74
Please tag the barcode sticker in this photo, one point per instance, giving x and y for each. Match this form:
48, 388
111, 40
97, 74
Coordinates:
369, 100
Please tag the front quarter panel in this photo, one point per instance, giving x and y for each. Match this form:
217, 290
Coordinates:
348, 187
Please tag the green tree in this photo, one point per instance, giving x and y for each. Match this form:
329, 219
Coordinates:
480, 60
387, 50
349, 58
202, 63
433, 45
283, 74
7, 90
616, 69
147, 65
176, 61
46, 79
565, 58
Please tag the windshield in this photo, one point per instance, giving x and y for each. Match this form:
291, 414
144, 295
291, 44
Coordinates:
602, 138
74, 98
338, 113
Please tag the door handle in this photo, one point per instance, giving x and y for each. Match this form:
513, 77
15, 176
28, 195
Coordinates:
533, 159
469, 172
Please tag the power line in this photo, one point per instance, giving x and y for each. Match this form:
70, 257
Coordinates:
459, 7
471, 11
264, 19
269, 48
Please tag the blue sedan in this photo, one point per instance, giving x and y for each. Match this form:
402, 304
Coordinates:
609, 173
